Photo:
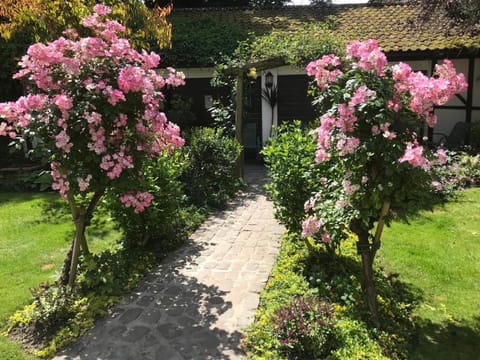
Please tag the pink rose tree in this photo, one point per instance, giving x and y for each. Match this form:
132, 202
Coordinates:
94, 104
376, 166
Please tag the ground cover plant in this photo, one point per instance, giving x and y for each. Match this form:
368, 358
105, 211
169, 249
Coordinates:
334, 285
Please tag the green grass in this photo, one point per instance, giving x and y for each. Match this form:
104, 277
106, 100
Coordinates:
439, 254
36, 230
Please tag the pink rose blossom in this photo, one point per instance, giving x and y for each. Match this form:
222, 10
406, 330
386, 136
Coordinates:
138, 200
414, 156
311, 226
326, 238
349, 188
131, 79
438, 186
324, 70
64, 102
62, 141
101, 9
347, 145
369, 55
84, 183
362, 94
441, 156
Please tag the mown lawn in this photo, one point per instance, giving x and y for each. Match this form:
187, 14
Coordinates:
36, 230
439, 254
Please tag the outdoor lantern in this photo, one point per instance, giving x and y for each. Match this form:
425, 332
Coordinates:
268, 80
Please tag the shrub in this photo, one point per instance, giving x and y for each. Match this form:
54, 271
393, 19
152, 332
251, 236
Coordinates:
304, 327
352, 341
166, 221
469, 169
290, 160
210, 177
305, 274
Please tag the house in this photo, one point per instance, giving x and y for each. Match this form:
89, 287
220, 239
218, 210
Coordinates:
420, 45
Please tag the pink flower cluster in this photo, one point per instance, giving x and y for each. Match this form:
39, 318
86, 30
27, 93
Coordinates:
324, 70
114, 164
83, 184
424, 91
60, 181
81, 104
349, 188
344, 119
368, 55
311, 226
137, 200
414, 156
362, 94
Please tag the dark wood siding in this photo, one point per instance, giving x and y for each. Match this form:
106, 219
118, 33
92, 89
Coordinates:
196, 90
293, 101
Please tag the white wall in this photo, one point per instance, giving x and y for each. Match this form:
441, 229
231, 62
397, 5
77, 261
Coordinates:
447, 118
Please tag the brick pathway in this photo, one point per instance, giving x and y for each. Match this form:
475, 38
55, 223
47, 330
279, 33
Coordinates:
196, 303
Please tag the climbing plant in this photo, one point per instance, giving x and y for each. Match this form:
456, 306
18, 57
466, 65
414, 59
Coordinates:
260, 52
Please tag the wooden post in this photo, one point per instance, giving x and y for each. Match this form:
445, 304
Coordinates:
239, 121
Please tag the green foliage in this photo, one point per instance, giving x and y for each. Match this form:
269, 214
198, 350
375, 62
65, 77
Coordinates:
197, 42
223, 116
210, 177
304, 327
352, 341
295, 48
166, 222
469, 169
34, 180
290, 160
180, 111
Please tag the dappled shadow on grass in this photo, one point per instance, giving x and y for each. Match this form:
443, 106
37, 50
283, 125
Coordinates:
402, 334
54, 211
8, 197
446, 340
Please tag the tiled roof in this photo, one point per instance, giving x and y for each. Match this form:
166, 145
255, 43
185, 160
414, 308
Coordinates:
395, 28
392, 25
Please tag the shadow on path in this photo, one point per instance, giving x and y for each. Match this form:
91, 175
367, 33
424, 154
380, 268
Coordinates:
195, 304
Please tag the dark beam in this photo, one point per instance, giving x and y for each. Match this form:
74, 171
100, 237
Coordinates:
258, 65
239, 121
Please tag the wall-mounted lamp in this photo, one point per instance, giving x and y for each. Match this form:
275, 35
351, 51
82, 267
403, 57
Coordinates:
268, 80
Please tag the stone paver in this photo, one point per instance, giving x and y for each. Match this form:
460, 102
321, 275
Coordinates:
196, 303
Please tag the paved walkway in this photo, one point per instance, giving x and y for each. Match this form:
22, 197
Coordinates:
196, 303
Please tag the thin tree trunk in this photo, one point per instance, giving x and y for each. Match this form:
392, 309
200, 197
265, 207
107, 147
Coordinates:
369, 285
80, 224
81, 218
366, 252
66, 267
